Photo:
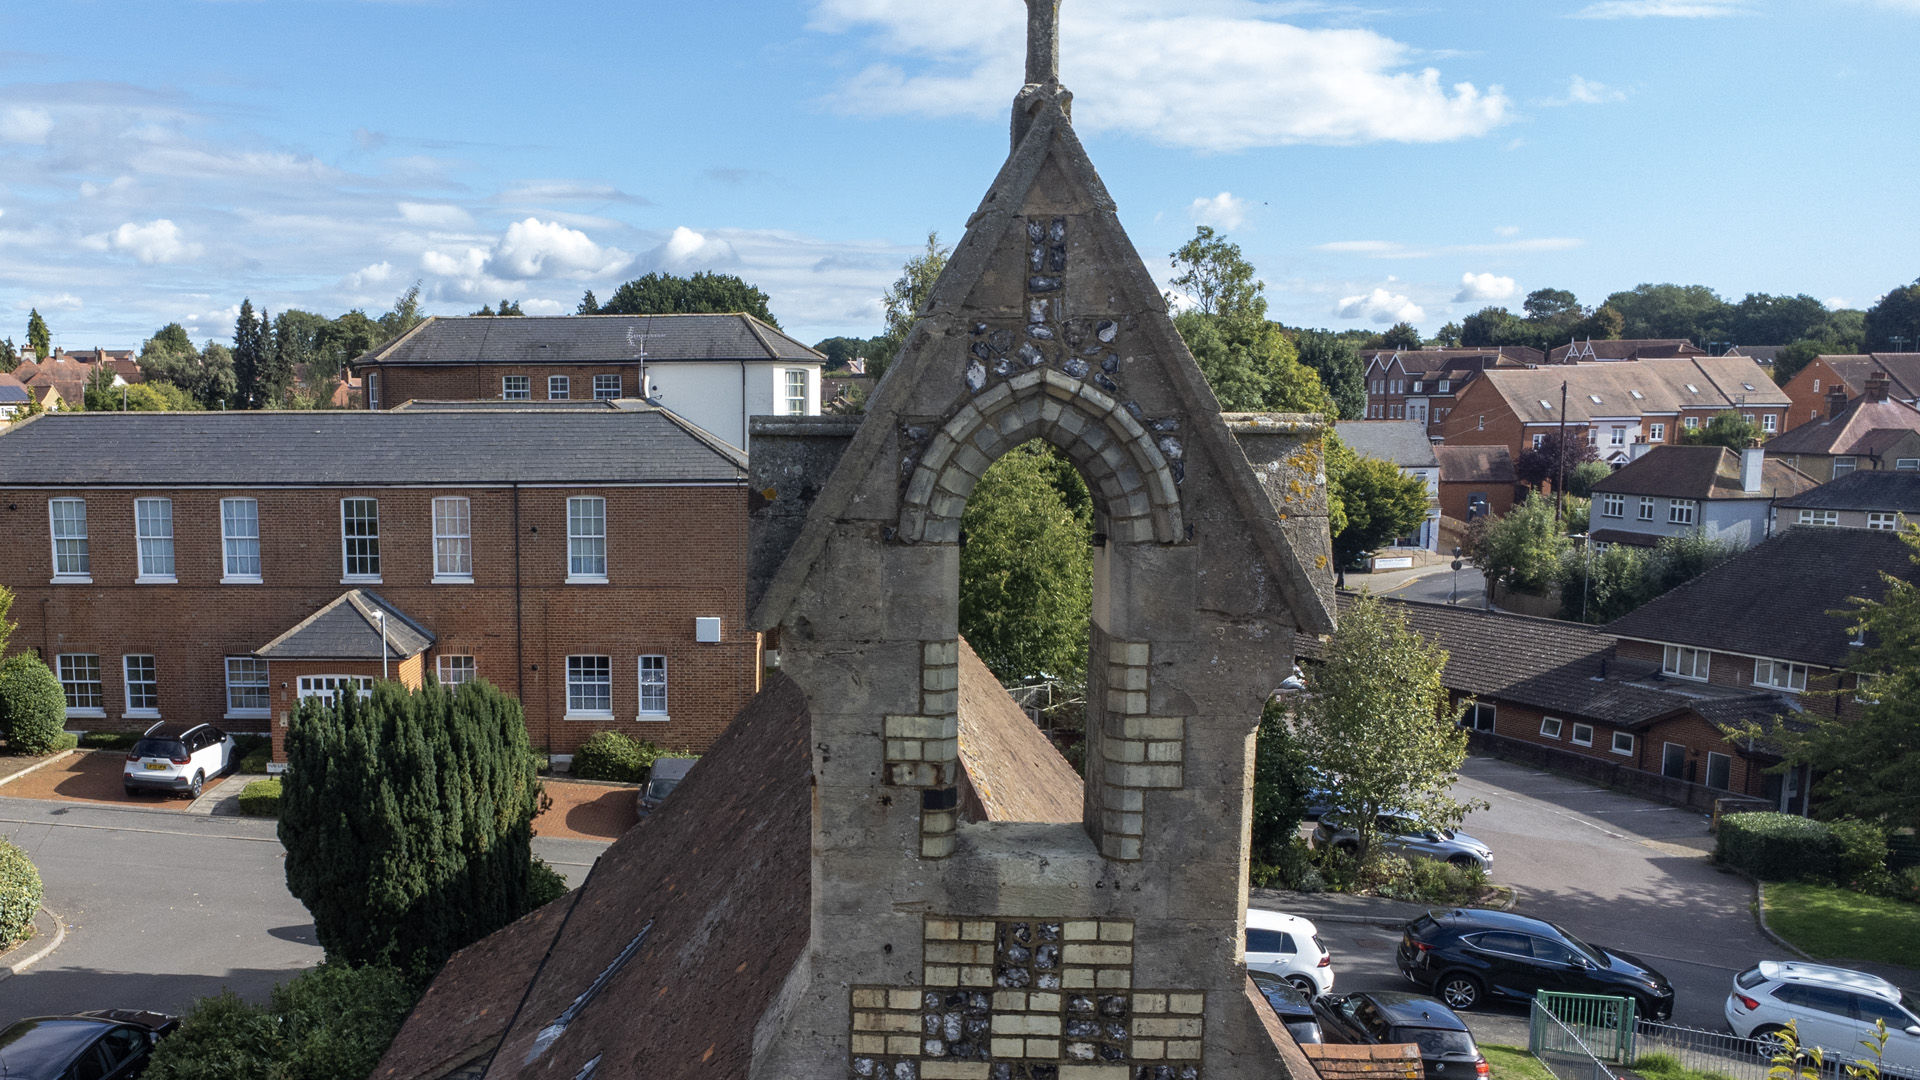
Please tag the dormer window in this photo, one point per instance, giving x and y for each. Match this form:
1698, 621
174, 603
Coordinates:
1445, 385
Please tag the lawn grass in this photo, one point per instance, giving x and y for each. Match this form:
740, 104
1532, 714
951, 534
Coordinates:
1514, 1063
1668, 1067
1837, 924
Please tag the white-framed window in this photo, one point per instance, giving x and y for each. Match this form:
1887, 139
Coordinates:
143, 685
1690, 423
1582, 734
589, 686
1395, 411
1769, 423
796, 392
1906, 464
1623, 743
1399, 386
586, 538
455, 670
153, 532
1646, 508
1539, 440
80, 679
1748, 417
516, 387
1680, 511
332, 686
1683, 662
1780, 674
1550, 726
452, 539
1719, 771
1613, 506
1480, 716
69, 517
1883, 521
360, 539
653, 686
606, 387
1446, 386
373, 390
1617, 437
1417, 384
1816, 386
248, 694
240, 540
1819, 517
1845, 464
1656, 433
559, 388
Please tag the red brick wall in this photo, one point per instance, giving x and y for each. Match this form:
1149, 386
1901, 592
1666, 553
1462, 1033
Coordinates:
1454, 497
672, 554
1746, 778
1810, 404
481, 382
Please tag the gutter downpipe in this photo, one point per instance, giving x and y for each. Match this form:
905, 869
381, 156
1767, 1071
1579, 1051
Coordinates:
519, 635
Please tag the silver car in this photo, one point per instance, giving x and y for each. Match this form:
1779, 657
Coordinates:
1406, 837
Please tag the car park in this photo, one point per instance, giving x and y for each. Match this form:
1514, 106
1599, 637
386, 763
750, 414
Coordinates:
1293, 1008
1402, 835
178, 757
1288, 946
1447, 1049
1833, 1008
666, 774
1464, 957
105, 1044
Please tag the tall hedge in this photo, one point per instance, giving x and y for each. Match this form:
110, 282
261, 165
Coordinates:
20, 894
407, 820
1787, 847
329, 1023
33, 707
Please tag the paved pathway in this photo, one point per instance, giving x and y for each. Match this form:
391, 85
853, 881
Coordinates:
1436, 584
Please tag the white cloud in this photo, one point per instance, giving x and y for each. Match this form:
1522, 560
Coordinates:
462, 264
1836, 303
435, 215
1386, 249
20, 124
1585, 91
545, 249
1223, 211
379, 273
1382, 307
159, 241
1662, 9
1484, 289
1506, 230
51, 302
1213, 75
687, 250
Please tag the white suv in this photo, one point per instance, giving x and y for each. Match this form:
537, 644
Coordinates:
1289, 946
1832, 1008
177, 757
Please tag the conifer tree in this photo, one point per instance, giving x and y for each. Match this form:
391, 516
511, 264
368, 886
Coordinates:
39, 338
250, 347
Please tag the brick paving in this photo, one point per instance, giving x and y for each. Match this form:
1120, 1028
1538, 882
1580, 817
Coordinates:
585, 811
91, 778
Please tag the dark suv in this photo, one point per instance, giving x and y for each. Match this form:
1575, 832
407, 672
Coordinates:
1387, 1016
105, 1044
1465, 956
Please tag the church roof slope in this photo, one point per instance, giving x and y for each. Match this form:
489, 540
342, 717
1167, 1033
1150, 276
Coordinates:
1014, 772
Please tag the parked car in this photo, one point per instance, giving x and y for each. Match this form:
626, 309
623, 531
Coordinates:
666, 775
1293, 1008
176, 756
1404, 836
1288, 946
1319, 793
105, 1044
1831, 1007
1465, 956
1389, 1016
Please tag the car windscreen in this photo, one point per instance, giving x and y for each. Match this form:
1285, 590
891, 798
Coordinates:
1434, 1042
1749, 978
33, 1049
1580, 947
166, 748
1306, 1032
660, 789
1283, 996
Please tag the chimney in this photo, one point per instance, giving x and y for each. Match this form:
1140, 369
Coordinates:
1638, 450
1751, 461
1836, 401
1877, 386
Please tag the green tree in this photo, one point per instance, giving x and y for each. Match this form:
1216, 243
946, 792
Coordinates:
1281, 780
1582, 477
1600, 586
1728, 429
1553, 305
405, 314
1677, 560
1522, 549
1694, 312
9, 356
1761, 319
100, 395
331, 1022
902, 302
344, 340
507, 308
39, 338
1448, 337
407, 820
1492, 327
703, 293
1251, 364
1791, 359
252, 346
1375, 720
1545, 462
219, 384
1026, 566
1401, 335
589, 305
1896, 315
33, 706
1216, 277
1342, 373
1377, 501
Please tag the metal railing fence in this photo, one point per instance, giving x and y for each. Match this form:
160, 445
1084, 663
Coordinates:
1561, 1049
1716, 1053
1604, 1024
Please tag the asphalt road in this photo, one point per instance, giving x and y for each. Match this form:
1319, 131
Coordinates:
164, 908
1426, 585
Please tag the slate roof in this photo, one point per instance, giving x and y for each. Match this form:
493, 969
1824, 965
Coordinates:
1013, 773
588, 339
1662, 386
357, 448
1903, 371
1625, 349
1773, 599
1435, 363
1761, 354
1701, 472
1475, 464
12, 390
1843, 433
349, 629
1403, 442
1882, 489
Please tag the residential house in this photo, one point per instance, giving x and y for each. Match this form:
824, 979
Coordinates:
1421, 385
1764, 355
1874, 431
1676, 490
13, 396
1475, 481
1811, 386
219, 566
1405, 444
58, 380
1615, 351
1612, 406
1879, 499
715, 370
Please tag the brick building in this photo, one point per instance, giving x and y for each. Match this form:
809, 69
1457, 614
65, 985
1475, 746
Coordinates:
1422, 385
1811, 385
1873, 431
218, 566
715, 370
1676, 490
1475, 481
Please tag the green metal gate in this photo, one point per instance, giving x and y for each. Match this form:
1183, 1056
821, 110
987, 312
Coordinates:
1602, 1026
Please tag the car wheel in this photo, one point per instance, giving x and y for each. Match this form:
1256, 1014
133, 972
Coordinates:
1304, 985
1460, 991
1348, 848
199, 781
1769, 1039
1464, 862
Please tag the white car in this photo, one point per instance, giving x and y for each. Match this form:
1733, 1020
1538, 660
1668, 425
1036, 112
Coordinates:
1289, 946
180, 757
1831, 1007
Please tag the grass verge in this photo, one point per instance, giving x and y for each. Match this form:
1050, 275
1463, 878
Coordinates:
1832, 923
1668, 1067
1514, 1063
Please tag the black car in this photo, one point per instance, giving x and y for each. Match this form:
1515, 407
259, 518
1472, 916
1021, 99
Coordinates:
103, 1044
1294, 1008
1384, 1017
1465, 957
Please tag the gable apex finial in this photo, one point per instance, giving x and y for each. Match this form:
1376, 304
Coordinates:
1043, 42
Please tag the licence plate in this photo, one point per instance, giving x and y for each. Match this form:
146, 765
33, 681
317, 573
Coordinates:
154, 765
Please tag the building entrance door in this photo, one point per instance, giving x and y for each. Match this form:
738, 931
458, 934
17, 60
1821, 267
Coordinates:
1673, 761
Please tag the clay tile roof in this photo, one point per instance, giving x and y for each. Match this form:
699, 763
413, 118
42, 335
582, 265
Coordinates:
1403, 442
1843, 433
1475, 464
1339, 1061
589, 339
1880, 489
1659, 386
349, 629
1013, 772
1627, 349
1701, 472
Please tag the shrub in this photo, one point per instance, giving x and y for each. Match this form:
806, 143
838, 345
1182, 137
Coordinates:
108, 740
1860, 850
330, 1023
261, 798
1906, 885
1784, 847
20, 894
253, 752
614, 755
544, 883
33, 707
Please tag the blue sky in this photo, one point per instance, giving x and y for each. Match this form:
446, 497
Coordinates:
161, 160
